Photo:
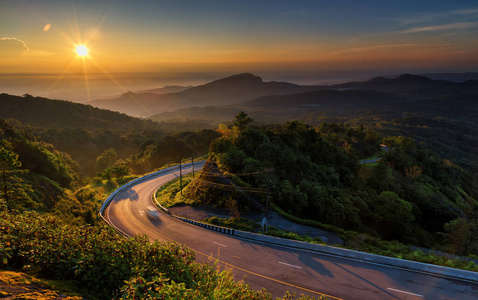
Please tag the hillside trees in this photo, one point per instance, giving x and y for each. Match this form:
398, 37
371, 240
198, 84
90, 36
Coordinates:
14, 192
410, 194
34, 170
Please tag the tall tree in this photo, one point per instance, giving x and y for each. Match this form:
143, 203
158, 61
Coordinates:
14, 191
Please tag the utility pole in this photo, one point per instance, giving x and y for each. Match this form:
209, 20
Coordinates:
268, 187
180, 178
192, 162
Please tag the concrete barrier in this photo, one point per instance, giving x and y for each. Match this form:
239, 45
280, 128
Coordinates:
207, 226
366, 257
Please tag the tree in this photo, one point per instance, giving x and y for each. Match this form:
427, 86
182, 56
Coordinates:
106, 159
460, 236
393, 213
242, 120
14, 191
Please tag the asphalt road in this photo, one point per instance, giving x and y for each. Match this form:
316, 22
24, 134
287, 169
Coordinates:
275, 268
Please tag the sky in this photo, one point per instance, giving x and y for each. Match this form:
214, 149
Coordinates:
279, 38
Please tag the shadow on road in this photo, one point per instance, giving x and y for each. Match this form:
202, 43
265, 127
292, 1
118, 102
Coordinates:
366, 281
154, 220
127, 195
317, 266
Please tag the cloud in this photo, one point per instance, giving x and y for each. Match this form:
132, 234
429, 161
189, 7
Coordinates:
11, 46
452, 26
430, 17
390, 49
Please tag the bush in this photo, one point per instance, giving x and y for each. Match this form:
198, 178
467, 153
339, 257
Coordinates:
108, 265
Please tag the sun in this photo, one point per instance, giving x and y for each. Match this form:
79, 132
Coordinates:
81, 50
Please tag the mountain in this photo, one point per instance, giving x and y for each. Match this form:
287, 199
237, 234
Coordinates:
211, 114
135, 105
396, 95
321, 100
280, 108
455, 77
412, 85
43, 112
225, 91
166, 89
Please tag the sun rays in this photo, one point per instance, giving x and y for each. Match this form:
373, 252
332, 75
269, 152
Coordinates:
83, 59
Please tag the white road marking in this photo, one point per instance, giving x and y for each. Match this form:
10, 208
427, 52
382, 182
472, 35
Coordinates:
220, 244
418, 295
141, 212
283, 263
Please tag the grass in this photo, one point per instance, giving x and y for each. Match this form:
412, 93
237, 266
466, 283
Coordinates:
239, 224
19, 285
169, 194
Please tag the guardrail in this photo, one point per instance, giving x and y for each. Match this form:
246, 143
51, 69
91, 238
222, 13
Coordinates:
366, 257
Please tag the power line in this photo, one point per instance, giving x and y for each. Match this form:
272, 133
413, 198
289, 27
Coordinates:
228, 187
232, 174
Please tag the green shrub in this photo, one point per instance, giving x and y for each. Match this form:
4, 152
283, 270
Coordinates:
111, 266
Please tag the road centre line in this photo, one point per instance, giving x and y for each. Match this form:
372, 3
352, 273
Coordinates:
220, 244
418, 295
283, 263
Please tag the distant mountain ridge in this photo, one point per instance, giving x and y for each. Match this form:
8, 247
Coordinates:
240, 88
234, 89
166, 89
408, 82
455, 77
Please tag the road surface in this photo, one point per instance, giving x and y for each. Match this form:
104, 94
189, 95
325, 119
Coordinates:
276, 268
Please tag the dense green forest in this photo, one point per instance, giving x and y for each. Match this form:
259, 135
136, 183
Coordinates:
411, 194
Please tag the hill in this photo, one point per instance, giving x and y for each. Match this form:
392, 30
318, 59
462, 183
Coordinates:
407, 83
409, 196
336, 100
225, 91
43, 112
166, 89
34, 174
455, 77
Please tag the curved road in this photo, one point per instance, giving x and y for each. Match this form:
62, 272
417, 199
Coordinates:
278, 269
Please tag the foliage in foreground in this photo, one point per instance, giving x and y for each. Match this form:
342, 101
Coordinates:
108, 265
